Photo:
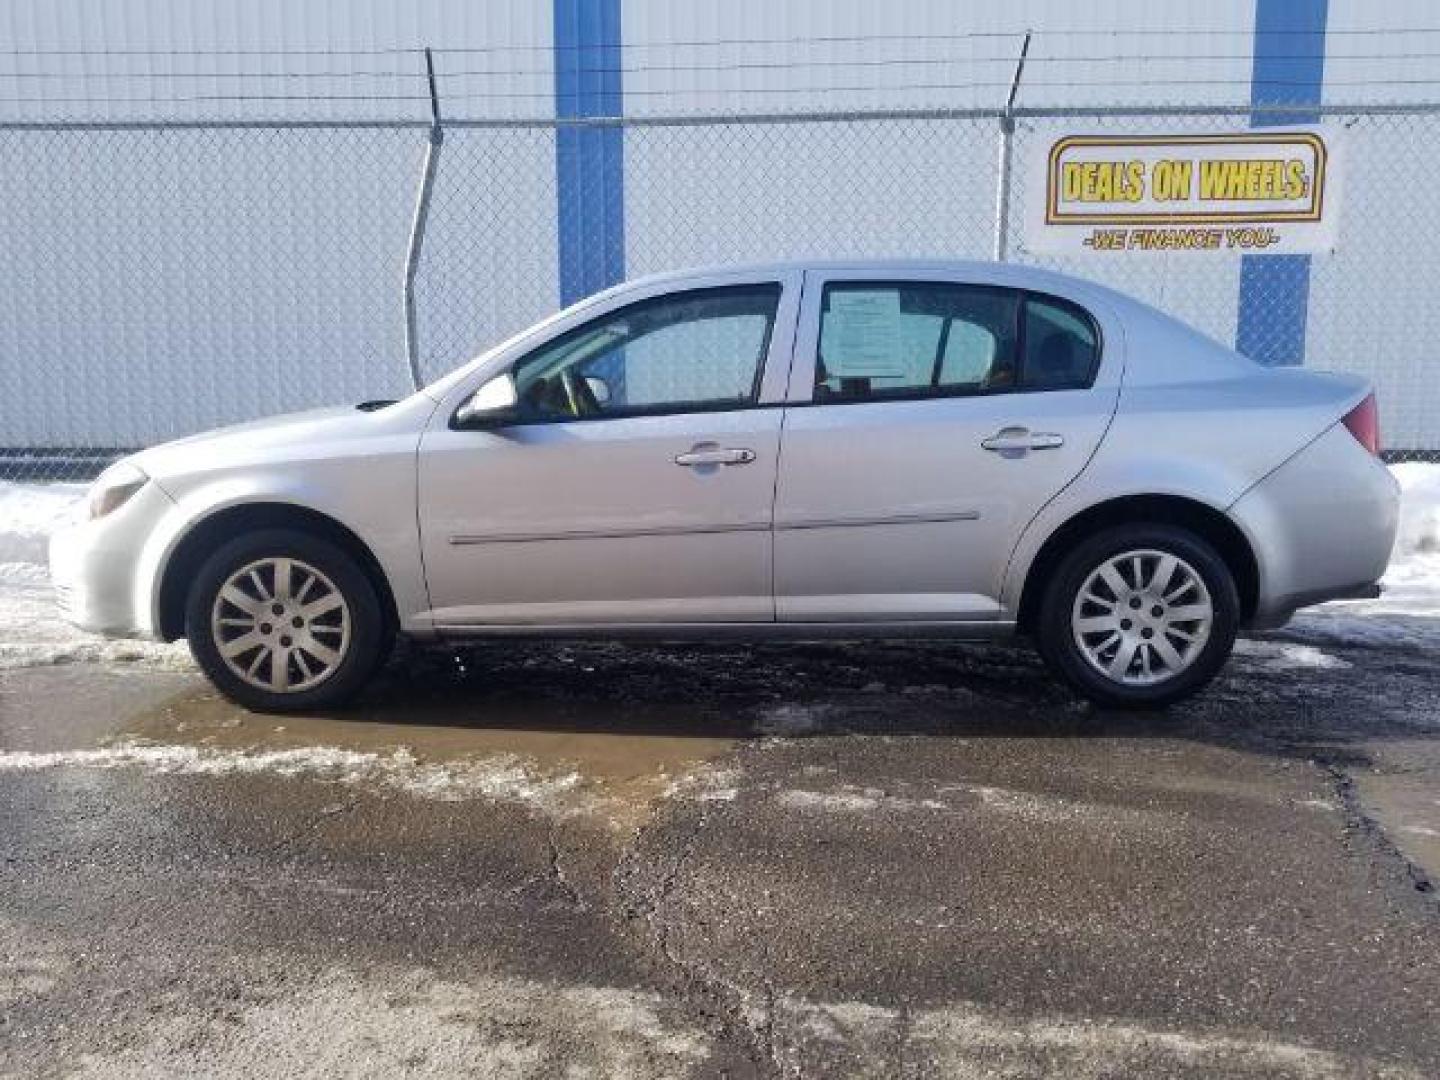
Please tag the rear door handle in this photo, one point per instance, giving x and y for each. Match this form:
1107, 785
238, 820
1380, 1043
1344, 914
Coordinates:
1015, 441
710, 454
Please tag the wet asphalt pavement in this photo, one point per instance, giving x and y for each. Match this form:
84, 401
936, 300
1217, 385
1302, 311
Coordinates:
816, 860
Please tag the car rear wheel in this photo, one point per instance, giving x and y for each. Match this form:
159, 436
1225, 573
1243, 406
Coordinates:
283, 621
1139, 616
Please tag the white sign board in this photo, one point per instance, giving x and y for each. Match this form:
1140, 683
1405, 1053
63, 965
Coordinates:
862, 334
1263, 191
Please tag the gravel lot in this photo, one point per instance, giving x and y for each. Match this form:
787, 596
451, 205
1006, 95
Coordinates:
887, 860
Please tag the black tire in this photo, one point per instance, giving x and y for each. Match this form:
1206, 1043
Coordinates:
370, 634
1063, 653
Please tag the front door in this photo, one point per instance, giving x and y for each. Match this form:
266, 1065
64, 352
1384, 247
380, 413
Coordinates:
634, 483
930, 421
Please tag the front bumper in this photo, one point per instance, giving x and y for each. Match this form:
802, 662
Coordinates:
97, 568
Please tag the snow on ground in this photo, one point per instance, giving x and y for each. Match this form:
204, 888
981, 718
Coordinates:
1408, 611
411, 1022
1287, 656
31, 632
501, 777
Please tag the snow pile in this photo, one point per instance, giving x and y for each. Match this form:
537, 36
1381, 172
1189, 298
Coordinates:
1420, 510
28, 513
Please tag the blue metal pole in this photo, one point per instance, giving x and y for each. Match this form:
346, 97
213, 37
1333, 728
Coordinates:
589, 161
1288, 69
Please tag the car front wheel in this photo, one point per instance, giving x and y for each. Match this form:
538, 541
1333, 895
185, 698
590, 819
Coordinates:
1139, 616
281, 621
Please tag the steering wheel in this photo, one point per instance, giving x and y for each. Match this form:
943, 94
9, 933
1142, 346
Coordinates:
578, 394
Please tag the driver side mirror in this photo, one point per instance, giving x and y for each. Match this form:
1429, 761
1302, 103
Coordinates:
494, 401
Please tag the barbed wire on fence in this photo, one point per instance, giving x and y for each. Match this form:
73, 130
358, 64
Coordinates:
1144, 66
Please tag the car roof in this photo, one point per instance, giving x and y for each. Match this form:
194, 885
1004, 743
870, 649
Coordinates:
976, 266
1007, 273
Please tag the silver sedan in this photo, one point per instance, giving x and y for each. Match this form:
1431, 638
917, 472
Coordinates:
852, 450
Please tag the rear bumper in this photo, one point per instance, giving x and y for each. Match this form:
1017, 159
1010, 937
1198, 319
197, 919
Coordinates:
1322, 527
1275, 618
1370, 591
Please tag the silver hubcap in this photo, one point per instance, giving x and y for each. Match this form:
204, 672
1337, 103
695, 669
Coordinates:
281, 625
1142, 617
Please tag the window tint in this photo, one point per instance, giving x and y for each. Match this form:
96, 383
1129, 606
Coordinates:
1060, 345
695, 350
897, 340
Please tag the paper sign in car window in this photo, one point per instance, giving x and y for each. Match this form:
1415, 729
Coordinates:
861, 338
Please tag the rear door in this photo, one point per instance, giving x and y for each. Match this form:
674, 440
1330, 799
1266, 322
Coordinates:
929, 418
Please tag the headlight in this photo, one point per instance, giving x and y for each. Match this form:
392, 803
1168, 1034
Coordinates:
114, 487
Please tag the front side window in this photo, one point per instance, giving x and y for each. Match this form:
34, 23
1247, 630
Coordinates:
691, 351
905, 340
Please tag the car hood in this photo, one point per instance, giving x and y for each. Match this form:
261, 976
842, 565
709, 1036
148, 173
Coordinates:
315, 432
268, 427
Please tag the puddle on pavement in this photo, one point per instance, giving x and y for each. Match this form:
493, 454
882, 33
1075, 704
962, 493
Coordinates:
626, 755
71, 706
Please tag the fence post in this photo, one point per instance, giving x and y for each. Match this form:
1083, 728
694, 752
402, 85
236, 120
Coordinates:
418, 222
1002, 167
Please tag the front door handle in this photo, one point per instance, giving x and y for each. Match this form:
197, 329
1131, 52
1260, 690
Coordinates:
1016, 441
710, 454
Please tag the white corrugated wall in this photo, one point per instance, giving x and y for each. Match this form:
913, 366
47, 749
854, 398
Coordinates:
198, 278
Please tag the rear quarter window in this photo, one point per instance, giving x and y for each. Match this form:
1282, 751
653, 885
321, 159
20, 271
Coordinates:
1061, 345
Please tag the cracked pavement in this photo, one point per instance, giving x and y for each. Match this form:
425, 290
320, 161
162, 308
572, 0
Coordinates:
825, 860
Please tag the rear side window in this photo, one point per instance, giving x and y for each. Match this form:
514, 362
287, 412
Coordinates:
921, 339
1061, 345
898, 340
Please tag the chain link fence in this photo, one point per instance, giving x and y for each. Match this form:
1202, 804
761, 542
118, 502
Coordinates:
164, 278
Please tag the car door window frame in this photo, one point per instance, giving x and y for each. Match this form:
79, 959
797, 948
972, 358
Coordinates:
807, 344
772, 377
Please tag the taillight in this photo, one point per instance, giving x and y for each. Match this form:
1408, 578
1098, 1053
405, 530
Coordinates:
1363, 422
